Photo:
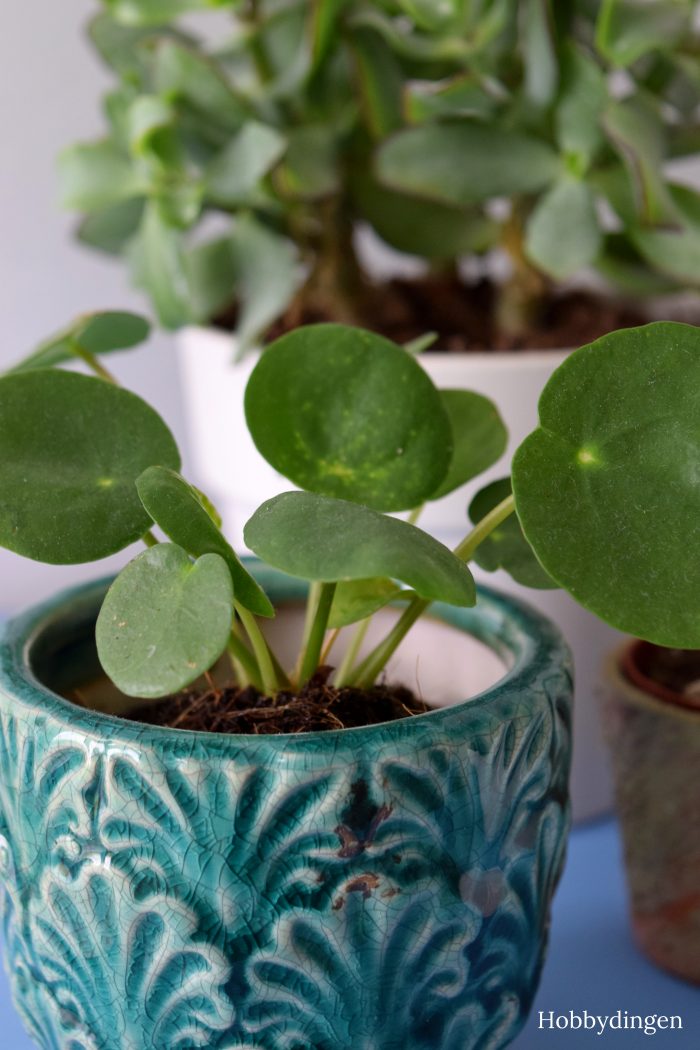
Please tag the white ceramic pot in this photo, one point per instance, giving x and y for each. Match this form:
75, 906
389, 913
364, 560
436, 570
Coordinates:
232, 472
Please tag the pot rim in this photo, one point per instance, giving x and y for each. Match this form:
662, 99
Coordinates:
634, 694
502, 360
511, 628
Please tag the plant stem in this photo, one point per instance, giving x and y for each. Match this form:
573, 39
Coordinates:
271, 681
92, 362
312, 652
342, 675
370, 667
246, 667
332, 639
149, 539
366, 673
415, 514
492, 520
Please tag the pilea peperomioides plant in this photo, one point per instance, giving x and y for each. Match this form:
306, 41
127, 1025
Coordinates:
302, 121
604, 497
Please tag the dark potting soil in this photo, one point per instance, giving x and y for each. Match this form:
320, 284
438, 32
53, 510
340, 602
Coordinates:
463, 316
318, 706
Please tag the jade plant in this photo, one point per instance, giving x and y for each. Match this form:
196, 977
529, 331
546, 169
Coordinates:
237, 165
602, 500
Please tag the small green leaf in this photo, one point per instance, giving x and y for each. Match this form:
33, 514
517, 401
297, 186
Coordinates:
606, 488
236, 170
149, 126
318, 538
309, 169
583, 98
110, 229
563, 234
463, 96
185, 76
419, 227
506, 547
347, 413
164, 621
268, 274
635, 130
676, 252
212, 276
98, 333
97, 175
355, 600
479, 436
159, 268
626, 29
71, 449
539, 52
465, 162
624, 268
185, 517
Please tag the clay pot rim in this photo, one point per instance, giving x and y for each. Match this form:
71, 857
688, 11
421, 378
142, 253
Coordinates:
644, 691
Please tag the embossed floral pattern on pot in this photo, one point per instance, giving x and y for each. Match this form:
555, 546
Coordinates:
369, 889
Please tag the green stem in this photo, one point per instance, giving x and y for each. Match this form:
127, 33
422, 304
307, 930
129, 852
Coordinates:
365, 675
311, 606
92, 362
492, 520
247, 669
271, 683
370, 667
317, 633
149, 539
415, 514
342, 675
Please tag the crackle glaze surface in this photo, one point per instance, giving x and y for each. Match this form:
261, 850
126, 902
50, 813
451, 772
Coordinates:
369, 889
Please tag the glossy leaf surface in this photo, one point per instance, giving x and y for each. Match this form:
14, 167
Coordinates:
185, 516
607, 487
354, 600
71, 449
479, 437
346, 413
318, 538
165, 620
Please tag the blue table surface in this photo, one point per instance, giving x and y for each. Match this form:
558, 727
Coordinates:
592, 963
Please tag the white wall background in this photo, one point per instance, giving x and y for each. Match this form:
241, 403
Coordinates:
50, 83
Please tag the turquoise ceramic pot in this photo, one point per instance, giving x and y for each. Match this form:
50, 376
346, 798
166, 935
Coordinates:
366, 889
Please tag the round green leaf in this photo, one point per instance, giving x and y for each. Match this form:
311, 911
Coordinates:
607, 487
185, 516
165, 620
346, 413
354, 600
318, 538
71, 449
479, 436
506, 547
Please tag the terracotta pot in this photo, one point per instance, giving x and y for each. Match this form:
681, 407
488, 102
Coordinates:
654, 742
